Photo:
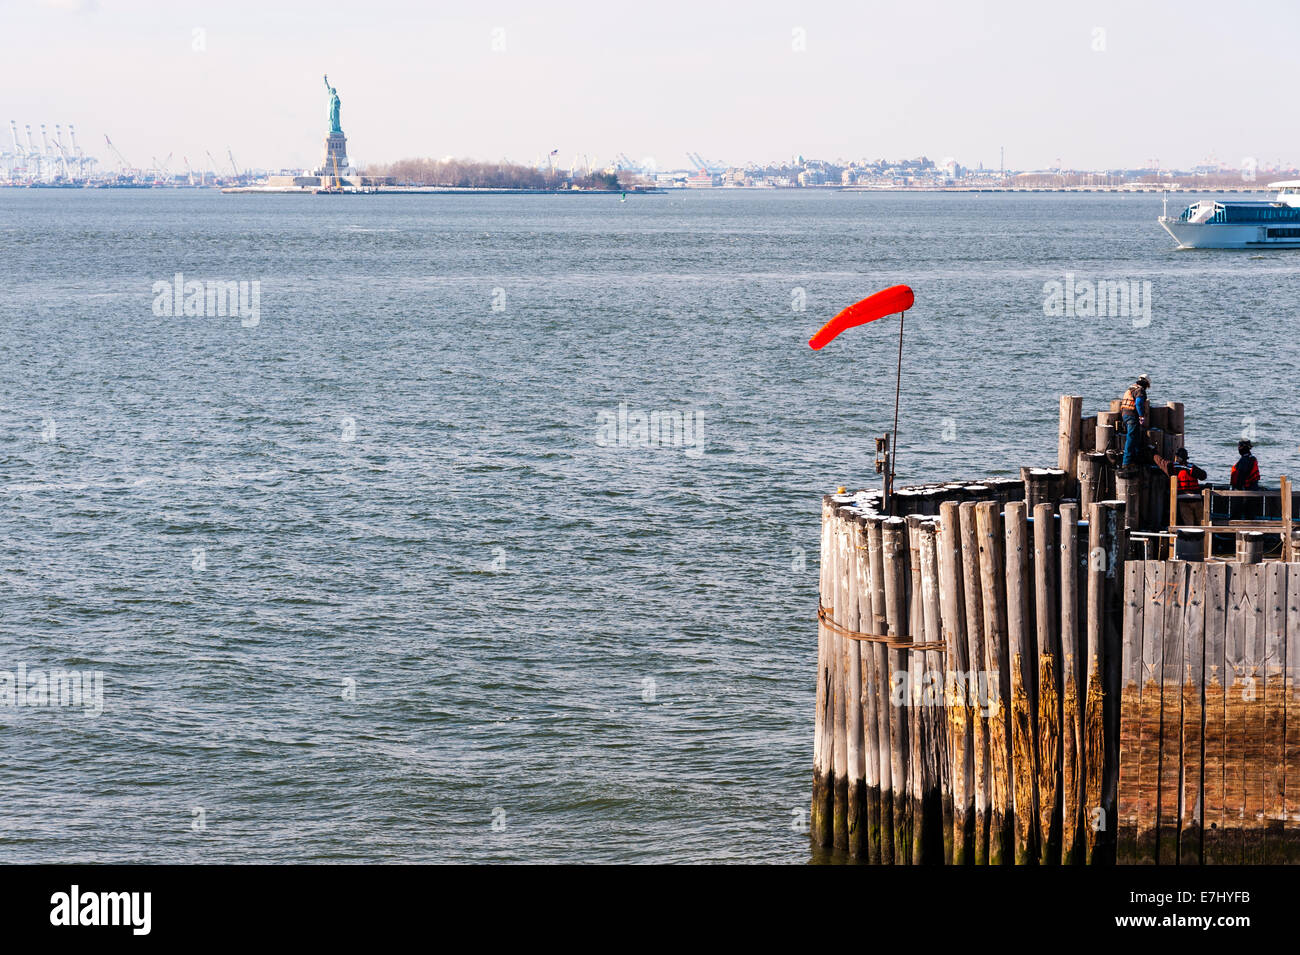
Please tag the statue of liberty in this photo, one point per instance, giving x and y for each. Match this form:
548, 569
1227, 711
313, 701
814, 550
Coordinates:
335, 127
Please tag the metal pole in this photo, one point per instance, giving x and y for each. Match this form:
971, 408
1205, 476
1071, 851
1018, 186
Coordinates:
893, 443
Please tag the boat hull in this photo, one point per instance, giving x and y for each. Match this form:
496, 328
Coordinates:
1202, 235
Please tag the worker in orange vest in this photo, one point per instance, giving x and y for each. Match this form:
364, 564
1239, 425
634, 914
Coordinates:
1189, 482
1189, 475
1245, 473
1133, 411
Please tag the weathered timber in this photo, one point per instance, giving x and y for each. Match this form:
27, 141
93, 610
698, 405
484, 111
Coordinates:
1072, 657
1091, 468
956, 697
1291, 745
1130, 756
1191, 809
1022, 650
1273, 689
1253, 718
1069, 437
1169, 789
823, 742
977, 686
936, 797
1049, 706
880, 675
1217, 680
851, 600
1148, 781
996, 662
840, 821
894, 543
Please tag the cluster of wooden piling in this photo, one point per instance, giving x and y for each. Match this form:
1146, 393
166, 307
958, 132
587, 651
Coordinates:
968, 669
1082, 453
1210, 713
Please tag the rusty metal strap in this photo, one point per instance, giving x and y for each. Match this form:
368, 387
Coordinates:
824, 616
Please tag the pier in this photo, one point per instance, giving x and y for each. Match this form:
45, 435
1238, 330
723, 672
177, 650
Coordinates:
1074, 666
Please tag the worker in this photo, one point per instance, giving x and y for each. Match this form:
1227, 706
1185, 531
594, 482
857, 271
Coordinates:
1245, 473
1133, 409
1189, 475
1189, 482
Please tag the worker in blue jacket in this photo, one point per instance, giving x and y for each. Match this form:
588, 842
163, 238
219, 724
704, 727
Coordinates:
1133, 408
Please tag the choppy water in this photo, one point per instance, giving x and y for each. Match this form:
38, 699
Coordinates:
559, 649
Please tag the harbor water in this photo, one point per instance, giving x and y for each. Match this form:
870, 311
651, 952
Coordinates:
488, 529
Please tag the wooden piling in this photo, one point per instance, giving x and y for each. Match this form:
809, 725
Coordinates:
1094, 701
917, 730
1217, 680
1250, 547
1043, 484
956, 695
1090, 468
1070, 433
1049, 705
1253, 717
1174, 416
936, 796
823, 742
1191, 810
977, 683
997, 663
880, 676
1288, 505
840, 820
1130, 755
1022, 650
1128, 488
1104, 436
1291, 746
1149, 673
1072, 656
894, 544
1169, 778
855, 800
1234, 717
1273, 690
870, 799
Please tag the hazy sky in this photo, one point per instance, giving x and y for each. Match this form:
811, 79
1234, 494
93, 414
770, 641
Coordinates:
1095, 85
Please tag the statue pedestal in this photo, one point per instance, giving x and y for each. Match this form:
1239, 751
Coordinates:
335, 162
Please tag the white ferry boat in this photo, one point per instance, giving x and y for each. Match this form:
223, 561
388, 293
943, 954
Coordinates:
1211, 224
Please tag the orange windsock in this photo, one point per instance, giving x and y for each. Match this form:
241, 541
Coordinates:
890, 301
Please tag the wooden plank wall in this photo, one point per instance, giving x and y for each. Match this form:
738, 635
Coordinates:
1209, 703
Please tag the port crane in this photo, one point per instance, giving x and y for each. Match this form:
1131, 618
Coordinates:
702, 164
32, 153
76, 151
20, 154
47, 154
126, 166
63, 152
215, 169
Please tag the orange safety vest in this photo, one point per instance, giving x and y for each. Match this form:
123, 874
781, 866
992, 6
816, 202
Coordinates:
1187, 483
1128, 404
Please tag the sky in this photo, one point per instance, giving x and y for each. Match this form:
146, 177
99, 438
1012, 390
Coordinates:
1094, 85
